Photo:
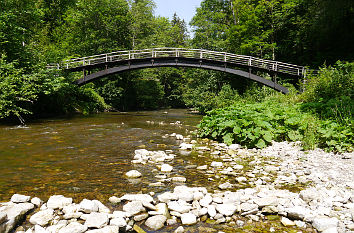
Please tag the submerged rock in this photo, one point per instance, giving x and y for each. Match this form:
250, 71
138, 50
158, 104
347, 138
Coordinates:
133, 174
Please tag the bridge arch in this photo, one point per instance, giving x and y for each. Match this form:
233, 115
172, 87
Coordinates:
122, 61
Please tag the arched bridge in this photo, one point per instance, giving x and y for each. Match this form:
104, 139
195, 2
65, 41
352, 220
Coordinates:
116, 62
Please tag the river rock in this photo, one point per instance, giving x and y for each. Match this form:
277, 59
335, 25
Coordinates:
133, 208
179, 229
211, 211
216, 164
266, 201
14, 213
106, 229
133, 174
118, 221
141, 217
156, 222
185, 146
42, 217
102, 208
226, 185
206, 200
179, 179
166, 168
241, 179
287, 222
204, 167
58, 202
73, 227
188, 219
18, 198
137, 197
96, 220
39, 229
226, 209
324, 223
166, 197
88, 206
298, 212
179, 207
36, 201
161, 209
183, 193
114, 200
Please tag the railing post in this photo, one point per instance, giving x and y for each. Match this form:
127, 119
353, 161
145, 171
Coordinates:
225, 57
152, 53
84, 61
67, 65
201, 54
106, 57
249, 61
129, 54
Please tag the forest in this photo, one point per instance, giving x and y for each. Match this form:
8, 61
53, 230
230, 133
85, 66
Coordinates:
314, 33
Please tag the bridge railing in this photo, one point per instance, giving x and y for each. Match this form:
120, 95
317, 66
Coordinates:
242, 60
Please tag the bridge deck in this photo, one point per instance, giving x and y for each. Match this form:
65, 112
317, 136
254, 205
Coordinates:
240, 60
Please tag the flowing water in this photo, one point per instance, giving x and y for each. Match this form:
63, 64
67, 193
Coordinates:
88, 156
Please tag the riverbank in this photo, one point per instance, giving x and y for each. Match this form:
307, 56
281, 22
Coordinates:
303, 190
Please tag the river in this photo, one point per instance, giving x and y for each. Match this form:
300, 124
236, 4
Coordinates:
87, 156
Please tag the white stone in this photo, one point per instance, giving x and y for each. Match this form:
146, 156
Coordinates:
14, 213
179, 229
166, 197
119, 221
206, 200
287, 222
300, 224
156, 222
178, 207
241, 179
226, 185
161, 209
42, 218
55, 228
245, 207
216, 164
36, 201
266, 201
137, 197
96, 220
132, 208
102, 208
114, 200
226, 209
133, 174
39, 229
297, 212
179, 179
324, 223
188, 219
211, 211
73, 227
18, 198
58, 202
204, 167
106, 229
185, 146
88, 206
166, 168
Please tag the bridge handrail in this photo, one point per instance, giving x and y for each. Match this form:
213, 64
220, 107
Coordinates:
226, 57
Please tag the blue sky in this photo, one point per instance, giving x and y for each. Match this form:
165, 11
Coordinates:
185, 9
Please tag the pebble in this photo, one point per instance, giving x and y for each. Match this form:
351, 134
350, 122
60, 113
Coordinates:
166, 168
133, 174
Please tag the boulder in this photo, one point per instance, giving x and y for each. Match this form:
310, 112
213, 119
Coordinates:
226, 209
133, 208
324, 223
96, 220
88, 206
156, 222
15, 213
18, 198
58, 202
102, 208
188, 219
36, 201
118, 221
73, 227
137, 197
133, 174
42, 217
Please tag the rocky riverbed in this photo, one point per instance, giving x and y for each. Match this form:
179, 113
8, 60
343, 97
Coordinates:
307, 191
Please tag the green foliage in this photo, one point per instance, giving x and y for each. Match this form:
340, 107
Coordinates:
258, 124
330, 94
17, 90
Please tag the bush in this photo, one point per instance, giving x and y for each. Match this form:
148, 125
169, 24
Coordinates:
257, 124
